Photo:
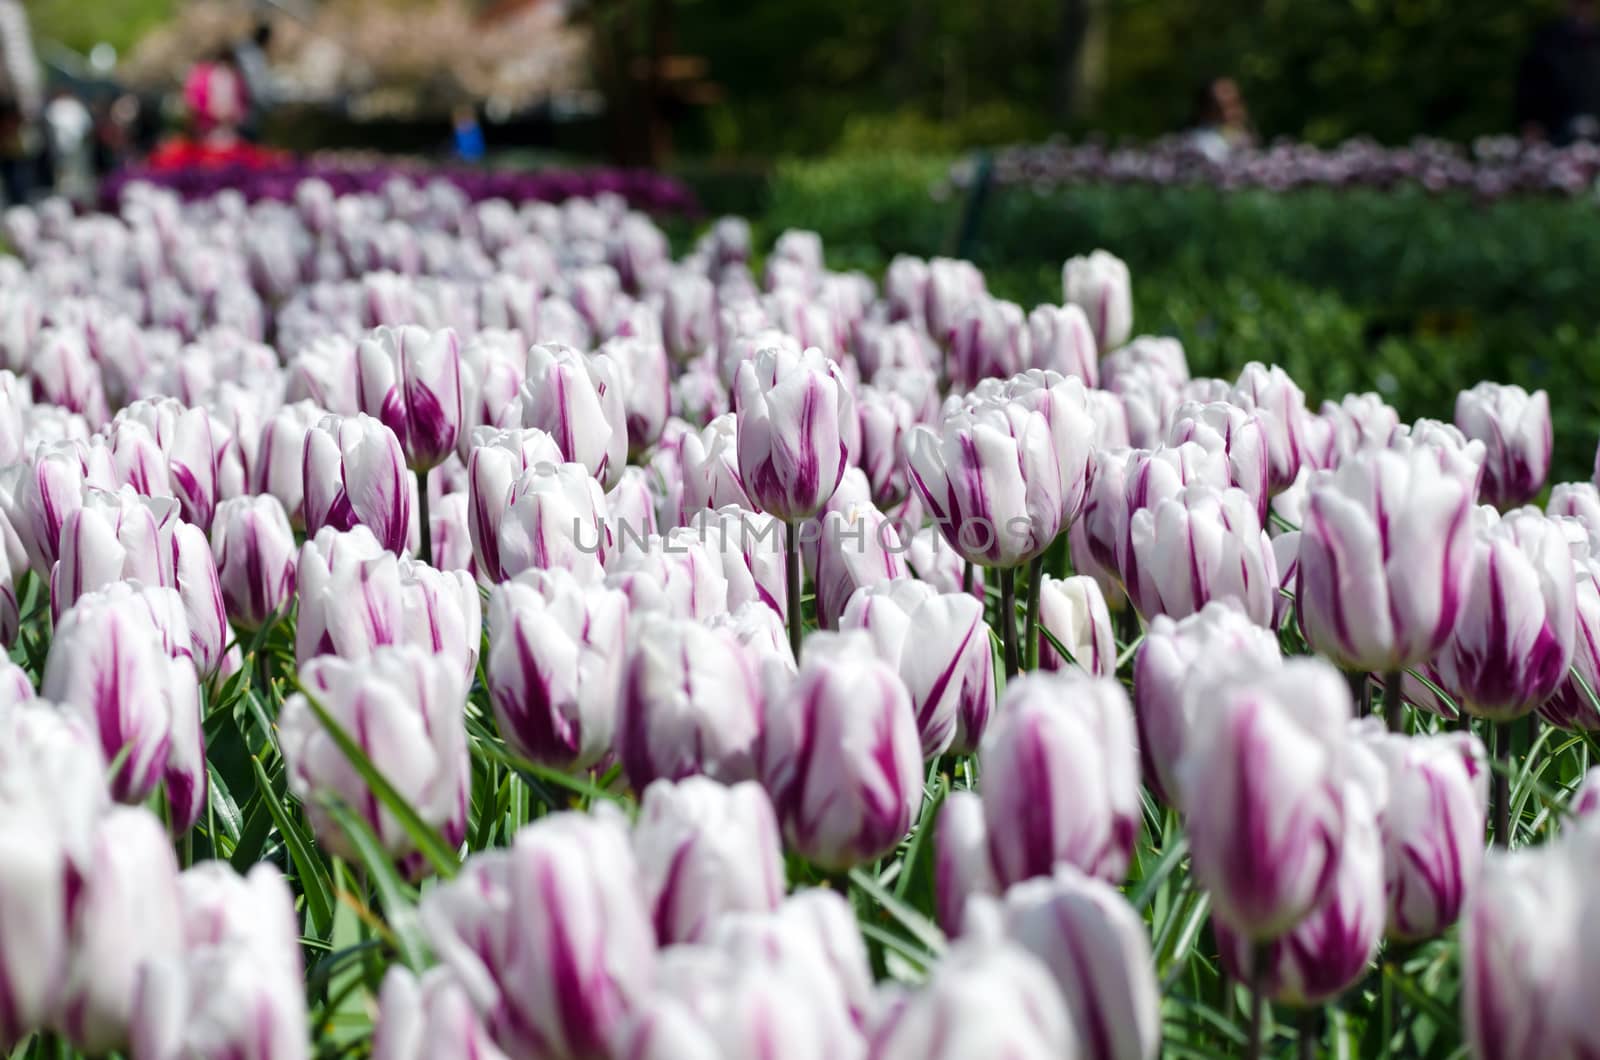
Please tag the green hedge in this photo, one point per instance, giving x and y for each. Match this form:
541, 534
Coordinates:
1414, 296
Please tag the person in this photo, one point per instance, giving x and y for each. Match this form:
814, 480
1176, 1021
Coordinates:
1221, 120
467, 134
215, 98
21, 99
70, 127
1558, 85
260, 87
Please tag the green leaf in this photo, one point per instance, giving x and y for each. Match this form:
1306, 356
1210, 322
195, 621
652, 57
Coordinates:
399, 912
302, 849
918, 926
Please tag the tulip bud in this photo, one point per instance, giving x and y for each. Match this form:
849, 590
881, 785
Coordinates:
194, 575
710, 462
675, 574
1174, 663
578, 400
989, 340
442, 614
51, 489
410, 379
1515, 430
1099, 285
856, 547
1385, 551
255, 556
1199, 546
749, 546
236, 987
1329, 950
1513, 640
1073, 611
1359, 421
1262, 784
550, 937
497, 460
65, 374
403, 708
793, 415
984, 998
961, 866
555, 517
355, 475
885, 418
704, 851
839, 755
644, 375
556, 655
688, 315
277, 468
1097, 949
186, 441
1061, 340
1239, 434
113, 537
940, 646
430, 1017
125, 913
1061, 778
691, 704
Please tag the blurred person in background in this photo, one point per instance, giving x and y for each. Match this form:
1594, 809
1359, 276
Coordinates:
260, 87
467, 134
1221, 120
215, 99
21, 98
70, 142
1558, 86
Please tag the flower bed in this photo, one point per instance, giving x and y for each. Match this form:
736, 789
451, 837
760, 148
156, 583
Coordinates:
443, 628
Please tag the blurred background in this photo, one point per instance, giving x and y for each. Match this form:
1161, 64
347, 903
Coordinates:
1377, 194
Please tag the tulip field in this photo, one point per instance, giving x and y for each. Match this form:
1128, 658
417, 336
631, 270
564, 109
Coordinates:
445, 627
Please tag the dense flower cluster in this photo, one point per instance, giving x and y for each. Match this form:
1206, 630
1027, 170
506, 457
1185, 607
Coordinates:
1491, 168
598, 654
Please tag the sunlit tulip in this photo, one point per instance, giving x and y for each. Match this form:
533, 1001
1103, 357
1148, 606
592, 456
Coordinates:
794, 412
1098, 284
355, 475
410, 379
577, 399
1514, 427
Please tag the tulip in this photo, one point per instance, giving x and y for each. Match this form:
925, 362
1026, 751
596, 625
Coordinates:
961, 859
188, 443
236, 987
1239, 434
1262, 784
556, 655
255, 555
749, 546
428, 1017
1097, 949
839, 754
277, 468
1432, 825
989, 340
632, 505
1099, 285
675, 574
1199, 546
51, 489
111, 538
410, 379
698, 395
1327, 952
1385, 551
644, 375
64, 373
124, 914
350, 600
1073, 612
951, 286
355, 475
1513, 640
497, 460
1570, 706
555, 517
885, 418
705, 851
1453, 451
1515, 430
194, 575
691, 704
1585, 801
761, 631
404, 709
688, 315
984, 998
1061, 778
1061, 340
1281, 406
1149, 402
442, 614
551, 936
827, 916
1359, 421
855, 548
940, 646
793, 414
1175, 664
1580, 501
493, 365
15, 685
1149, 477
710, 461
109, 667
578, 399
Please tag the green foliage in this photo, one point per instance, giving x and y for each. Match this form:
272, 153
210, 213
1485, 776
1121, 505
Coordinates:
81, 24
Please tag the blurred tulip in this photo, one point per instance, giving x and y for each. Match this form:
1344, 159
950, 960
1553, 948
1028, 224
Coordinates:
1513, 639
419, 1019
409, 378
51, 489
839, 754
194, 575
706, 850
794, 412
989, 340
278, 467
1262, 783
691, 704
1061, 778
496, 461
404, 710
187, 442
940, 646
854, 549
1073, 612
1571, 707
355, 475
1061, 340
1359, 421
556, 656
255, 556
442, 614
1175, 664
1201, 545
550, 937
112, 537
1385, 552
1098, 284
675, 574
1514, 427
555, 517
1239, 434
961, 865
710, 460
578, 399
749, 546
1281, 406
886, 417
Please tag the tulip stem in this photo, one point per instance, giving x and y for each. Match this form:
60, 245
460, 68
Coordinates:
791, 565
1031, 630
1310, 1033
1008, 618
1501, 736
1394, 702
966, 576
1258, 1001
422, 517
